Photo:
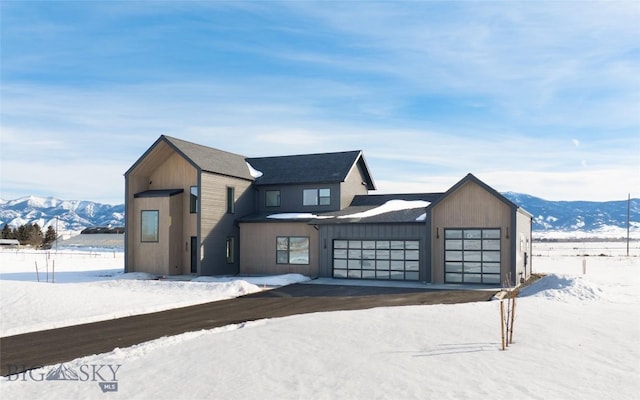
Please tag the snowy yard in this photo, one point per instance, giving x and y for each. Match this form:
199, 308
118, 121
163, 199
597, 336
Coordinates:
576, 337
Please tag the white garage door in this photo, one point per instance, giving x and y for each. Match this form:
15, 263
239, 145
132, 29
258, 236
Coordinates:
377, 259
472, 255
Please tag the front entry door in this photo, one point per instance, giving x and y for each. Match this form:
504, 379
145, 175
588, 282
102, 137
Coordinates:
194, 254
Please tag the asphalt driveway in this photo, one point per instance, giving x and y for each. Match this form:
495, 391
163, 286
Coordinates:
31, 350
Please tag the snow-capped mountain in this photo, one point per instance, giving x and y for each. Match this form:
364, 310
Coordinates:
68, 214
607, 218
602, 219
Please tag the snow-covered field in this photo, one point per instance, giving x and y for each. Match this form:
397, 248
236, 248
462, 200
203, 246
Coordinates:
576, 336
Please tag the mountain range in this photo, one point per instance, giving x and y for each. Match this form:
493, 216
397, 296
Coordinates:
606, 219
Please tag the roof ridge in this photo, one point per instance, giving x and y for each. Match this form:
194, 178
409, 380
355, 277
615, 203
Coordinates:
175, 139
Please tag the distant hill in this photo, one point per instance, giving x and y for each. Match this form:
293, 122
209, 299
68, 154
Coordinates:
601, 219
72, 215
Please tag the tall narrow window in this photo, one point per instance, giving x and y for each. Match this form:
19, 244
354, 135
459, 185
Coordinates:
231, 200
193, 199
272, 198
231, 245
149, 226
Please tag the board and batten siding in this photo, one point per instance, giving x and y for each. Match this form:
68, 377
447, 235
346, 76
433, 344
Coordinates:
355, 231
162, 169
151, 257
258, 248
216, 225
470, 206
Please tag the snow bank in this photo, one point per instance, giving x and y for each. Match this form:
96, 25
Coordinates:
563, 288
576, 338
277, 280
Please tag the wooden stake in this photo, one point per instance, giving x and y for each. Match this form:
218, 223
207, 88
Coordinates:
502, 322
37, 274
513, 314
53, 271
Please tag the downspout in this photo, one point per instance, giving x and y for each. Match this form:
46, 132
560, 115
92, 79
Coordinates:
199, 224
514, 247
426, 270
126, 223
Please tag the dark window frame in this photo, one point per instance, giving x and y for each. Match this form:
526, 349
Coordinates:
277, 198
288, 251
231, 201
155, 235
320, 199
230, 249
193, 199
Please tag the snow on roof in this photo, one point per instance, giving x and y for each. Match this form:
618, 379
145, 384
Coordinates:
254, 172
297, 216
389, 206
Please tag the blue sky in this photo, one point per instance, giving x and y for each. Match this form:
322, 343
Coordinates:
540, 98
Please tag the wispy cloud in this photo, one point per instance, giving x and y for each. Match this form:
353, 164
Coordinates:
541, 98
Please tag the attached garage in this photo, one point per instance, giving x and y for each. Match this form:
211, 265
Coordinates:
473, 236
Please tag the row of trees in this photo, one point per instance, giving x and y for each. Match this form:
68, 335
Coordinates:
30, 234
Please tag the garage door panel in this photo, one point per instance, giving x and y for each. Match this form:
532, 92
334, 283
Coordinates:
472, 255
376, 259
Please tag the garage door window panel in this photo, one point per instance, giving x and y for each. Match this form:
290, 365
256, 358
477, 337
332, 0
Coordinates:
472, 255
377, 259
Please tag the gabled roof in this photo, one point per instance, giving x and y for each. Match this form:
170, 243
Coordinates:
212, 160
470, 177
202, 157
310, 168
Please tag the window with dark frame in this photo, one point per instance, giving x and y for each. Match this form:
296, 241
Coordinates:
292, 250
230, 250
231, 208
149, 226
272, 198
314, 197
193, 199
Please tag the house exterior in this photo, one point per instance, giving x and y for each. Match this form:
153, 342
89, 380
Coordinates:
192, 209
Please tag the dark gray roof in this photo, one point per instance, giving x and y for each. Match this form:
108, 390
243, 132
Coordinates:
210, 159
159, 193
380, 199
309, 168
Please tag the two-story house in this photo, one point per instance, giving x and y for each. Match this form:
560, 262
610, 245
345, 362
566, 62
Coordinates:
192, 209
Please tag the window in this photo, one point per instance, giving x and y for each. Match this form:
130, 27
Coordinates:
231, 200
231, 245
193, 200
273, 198
314, 197
472, 255
149, 226
292, 250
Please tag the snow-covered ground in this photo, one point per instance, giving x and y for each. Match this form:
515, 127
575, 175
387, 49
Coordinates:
576, 336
